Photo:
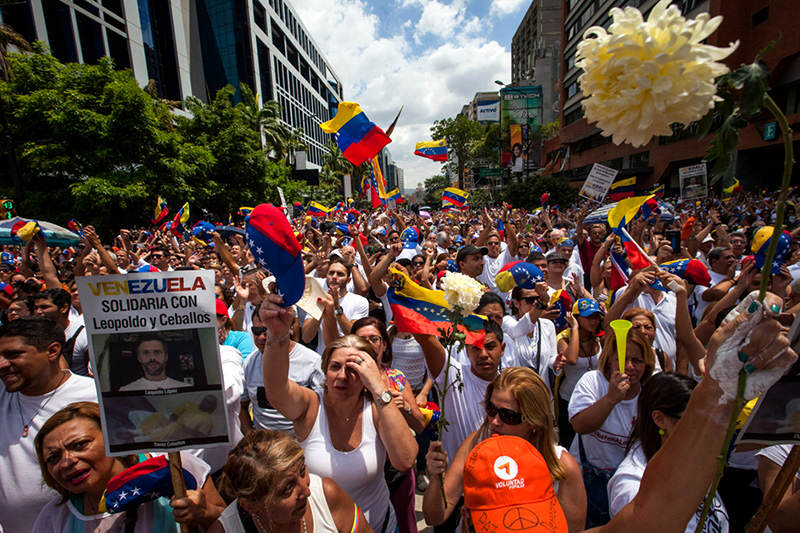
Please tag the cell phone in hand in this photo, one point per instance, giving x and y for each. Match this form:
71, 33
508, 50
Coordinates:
674, 238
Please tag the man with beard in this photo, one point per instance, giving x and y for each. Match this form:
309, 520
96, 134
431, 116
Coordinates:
152, 354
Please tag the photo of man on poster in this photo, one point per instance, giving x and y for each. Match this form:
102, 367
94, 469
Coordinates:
152, 354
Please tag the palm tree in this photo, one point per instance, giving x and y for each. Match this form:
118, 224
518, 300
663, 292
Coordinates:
294, 142
9, 37
264, 119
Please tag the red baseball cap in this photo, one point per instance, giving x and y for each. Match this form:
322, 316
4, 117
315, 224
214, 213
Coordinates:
508, 487
222, 309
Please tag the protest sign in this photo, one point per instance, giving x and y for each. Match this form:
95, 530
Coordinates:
776, 417
693, 182
155, 356
597, 182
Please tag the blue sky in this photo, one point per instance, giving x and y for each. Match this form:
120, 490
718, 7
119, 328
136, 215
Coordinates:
431, 56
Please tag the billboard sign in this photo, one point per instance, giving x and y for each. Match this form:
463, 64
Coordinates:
488, 111
521, 120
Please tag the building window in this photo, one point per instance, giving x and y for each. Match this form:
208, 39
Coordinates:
118, 50
115, 6
571, 4
260, 16
59, 31
91, 36
277, 38
573, 116
572, 30
570, 61
572, 89
642, 159
586, 16
760, 16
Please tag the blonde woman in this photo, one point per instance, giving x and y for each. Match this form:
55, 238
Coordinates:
517, 403
266, 473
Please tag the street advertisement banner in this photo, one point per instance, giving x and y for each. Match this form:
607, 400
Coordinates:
597, 182
488, 111
693, 181
154, 352
521, 121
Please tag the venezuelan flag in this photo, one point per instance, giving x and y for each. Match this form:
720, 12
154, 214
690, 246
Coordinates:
728, 192
394, 194
622, 189
318, 210
420, 310
455, 196
618, 218
75, 226
142, 482
245, 211
160, 211
358, 138
658, 191
436, 150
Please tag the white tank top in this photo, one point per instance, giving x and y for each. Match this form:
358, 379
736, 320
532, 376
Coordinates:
320, 512
359, 472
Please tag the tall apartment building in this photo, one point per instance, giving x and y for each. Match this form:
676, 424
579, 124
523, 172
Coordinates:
754, 23
194, 48
535, 53
484, 107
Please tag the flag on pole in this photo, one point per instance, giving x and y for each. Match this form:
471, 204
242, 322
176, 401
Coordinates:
318, 210
622, 189
358, 138
455, 196
160, 211
618, 217
436, 150
390, 129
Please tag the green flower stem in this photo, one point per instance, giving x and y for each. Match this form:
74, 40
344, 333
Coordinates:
788, 163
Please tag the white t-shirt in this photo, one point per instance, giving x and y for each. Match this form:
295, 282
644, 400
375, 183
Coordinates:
464, 406
624, 485
150, 517
146, 384
525, 334
354, 307
233, 381
777, 453
701, 305
605, 447
491, 266
304, 369
664, 312
22, 493
407, 357
80, 350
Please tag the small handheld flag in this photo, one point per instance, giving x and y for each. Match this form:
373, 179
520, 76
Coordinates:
622, 189
160, 211
455, 196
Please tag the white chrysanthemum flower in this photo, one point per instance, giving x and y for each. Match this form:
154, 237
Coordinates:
461, 292
640, 77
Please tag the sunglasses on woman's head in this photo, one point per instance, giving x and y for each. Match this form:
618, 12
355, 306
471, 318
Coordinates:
507, 416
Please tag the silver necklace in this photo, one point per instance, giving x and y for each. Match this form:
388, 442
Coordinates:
263, 529
27, 426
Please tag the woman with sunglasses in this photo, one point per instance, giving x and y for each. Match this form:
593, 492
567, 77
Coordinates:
517, 403
401, 484
661, 404
602, 411
578, 349
645, 322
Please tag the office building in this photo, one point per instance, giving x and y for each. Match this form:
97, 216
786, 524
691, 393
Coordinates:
755, 24
535, 53
484, 107
194, 48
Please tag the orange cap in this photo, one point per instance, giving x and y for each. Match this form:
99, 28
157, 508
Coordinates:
508, 487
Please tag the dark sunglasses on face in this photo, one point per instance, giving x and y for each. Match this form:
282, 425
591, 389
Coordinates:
258, 330
507, 416
418, 263
530, 299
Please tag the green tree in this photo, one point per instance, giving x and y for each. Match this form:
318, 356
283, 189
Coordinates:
528, 193
434, 186
9, 37
462, 135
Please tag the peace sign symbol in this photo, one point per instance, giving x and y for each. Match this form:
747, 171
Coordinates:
520, 518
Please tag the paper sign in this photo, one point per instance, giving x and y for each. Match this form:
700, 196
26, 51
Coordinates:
693, 182
308, 301
154, 351
598, 182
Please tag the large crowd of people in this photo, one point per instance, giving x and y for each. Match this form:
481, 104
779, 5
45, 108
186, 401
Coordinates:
331, 418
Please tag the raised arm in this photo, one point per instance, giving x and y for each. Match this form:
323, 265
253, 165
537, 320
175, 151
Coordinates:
380, 270
225, 254
637, 282
105, 257
697, 438
432, 349
46, 266
289, 398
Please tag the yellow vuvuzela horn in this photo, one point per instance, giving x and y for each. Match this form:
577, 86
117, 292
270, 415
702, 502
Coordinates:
621, 328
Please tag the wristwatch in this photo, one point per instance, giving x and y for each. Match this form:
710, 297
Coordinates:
384, 398
338, 311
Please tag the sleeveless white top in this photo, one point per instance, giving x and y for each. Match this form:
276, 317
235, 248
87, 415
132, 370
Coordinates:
320, 512
359, 472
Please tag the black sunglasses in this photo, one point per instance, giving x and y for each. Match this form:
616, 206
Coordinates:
507, 416
418, 263
258, 330
530, 299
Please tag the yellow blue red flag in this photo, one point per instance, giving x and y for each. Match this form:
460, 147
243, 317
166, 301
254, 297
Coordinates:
358, 138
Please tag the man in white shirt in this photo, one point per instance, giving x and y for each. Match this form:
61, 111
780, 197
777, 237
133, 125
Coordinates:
34, 388
342, 308
305, 369
722, 272
55, 304
499, 254
152, 354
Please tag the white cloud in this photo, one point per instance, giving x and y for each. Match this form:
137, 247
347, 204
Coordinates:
383, 72
506, 7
